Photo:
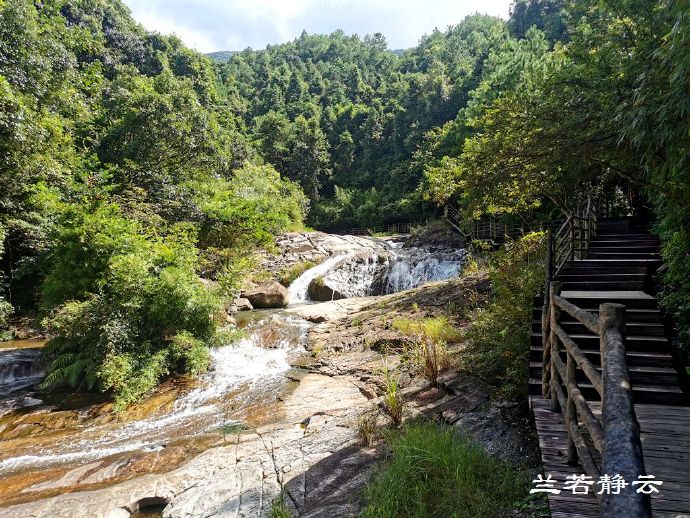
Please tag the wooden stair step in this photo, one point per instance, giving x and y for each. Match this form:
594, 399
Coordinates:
565, 277
614, 236
632, 343
632, 328
640, 375
644, 249
651, 315
652, 359
624, 241
604, 285
615, 263
647, 394
623, 255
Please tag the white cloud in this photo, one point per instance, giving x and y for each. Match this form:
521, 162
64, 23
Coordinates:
209, 25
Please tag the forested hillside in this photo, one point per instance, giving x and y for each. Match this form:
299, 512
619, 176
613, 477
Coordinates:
131, 165
355, 123
124, 175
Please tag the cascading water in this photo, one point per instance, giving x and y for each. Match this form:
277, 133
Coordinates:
411, 267
242, 374
298, 289
19, 368
378, 273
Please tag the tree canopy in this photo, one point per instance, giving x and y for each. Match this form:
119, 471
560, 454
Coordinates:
128, 159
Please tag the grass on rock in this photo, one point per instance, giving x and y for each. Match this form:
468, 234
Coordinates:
434, 472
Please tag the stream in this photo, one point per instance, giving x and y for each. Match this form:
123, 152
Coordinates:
49, 442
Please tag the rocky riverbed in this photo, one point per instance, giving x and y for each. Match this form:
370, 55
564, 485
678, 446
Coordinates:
310, 449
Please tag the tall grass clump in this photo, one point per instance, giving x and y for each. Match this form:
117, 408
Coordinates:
366, 428
430, 337
433, 472
288, 275
393, 401
279, 509
498, 336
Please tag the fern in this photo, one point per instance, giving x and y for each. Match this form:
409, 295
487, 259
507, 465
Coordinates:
62, 361
66, 369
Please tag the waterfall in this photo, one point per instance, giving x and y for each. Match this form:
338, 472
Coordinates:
19, 368
412, 267
298, 289
398, 269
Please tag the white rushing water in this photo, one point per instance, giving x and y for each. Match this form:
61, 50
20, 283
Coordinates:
247, 367
412, 267
378, 274
298, 289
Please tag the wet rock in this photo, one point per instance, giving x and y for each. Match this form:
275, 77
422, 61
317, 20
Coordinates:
361, 275
243, 304
300, 247
321, 291
270, 294
327, 311
319, 465
19, 368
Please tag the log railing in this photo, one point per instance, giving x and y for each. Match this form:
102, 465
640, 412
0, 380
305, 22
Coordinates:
573, 237
615, 437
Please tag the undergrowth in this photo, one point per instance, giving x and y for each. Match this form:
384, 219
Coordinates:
288, 275
279, 509
498, 335
434, 472
393, 401
430, 337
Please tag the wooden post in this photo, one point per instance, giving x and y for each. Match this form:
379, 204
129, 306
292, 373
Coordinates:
546, 342
622, 447
571, 411
555, 316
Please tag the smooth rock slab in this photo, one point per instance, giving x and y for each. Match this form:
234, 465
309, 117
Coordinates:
243, 479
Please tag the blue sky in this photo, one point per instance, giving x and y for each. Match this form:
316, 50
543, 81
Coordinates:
209, 25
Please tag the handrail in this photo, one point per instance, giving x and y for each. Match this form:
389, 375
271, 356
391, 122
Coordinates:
616, 435
572, 239
492, 229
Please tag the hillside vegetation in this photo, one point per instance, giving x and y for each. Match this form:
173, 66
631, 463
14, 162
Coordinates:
131, 164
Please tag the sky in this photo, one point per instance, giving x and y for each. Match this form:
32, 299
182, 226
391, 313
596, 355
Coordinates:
211, 25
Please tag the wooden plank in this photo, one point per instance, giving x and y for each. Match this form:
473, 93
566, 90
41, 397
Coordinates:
607, 295
667, 456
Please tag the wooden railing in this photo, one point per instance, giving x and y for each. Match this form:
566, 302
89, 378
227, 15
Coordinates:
492, 229
615, 438
572, 239
395, 228
609, 445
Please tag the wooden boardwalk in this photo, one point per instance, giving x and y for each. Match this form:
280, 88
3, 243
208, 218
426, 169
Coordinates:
665, 434
619, 265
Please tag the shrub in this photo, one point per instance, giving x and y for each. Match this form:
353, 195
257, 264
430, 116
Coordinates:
6, 308
498, 334
674, 231
243, 214
138, 312
435, 472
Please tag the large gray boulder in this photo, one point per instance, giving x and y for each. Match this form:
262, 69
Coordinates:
361, 275
269, 294
320, 290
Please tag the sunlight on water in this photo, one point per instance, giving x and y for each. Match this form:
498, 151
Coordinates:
248, 368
